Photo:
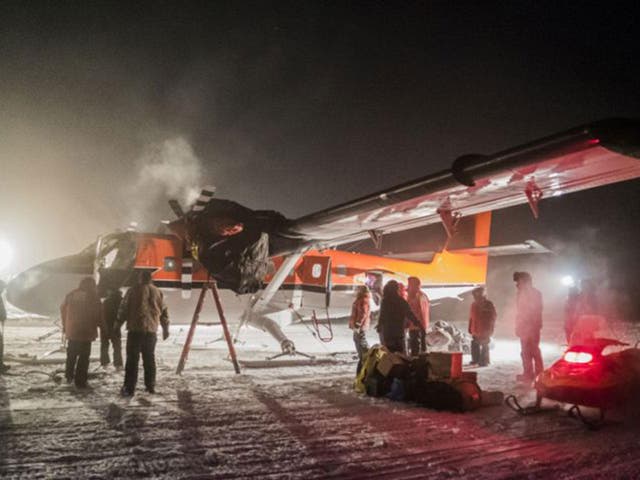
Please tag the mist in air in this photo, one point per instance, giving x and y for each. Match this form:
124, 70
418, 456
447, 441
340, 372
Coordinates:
107, 113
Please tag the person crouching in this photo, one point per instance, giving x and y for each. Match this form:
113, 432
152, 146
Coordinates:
482, 319
81, 314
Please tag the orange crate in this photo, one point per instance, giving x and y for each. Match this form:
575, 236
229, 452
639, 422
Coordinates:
445, 364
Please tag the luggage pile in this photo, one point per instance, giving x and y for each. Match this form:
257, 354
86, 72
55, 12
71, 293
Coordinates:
434, 380
445, 336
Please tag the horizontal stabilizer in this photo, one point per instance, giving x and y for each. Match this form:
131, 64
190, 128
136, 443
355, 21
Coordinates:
525, 248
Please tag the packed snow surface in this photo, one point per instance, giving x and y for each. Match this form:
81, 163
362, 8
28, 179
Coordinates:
294, 422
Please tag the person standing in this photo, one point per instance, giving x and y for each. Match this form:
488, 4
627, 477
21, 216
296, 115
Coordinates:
3, 318
528, 325
360, 320
394, 311
419, 303
587, 303
482, 319
143, 309
589, 324
81, 314
110, 333
402, 290
571, 312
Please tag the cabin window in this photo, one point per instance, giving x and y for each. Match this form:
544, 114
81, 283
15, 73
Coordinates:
341, 270
316, 270
169, 264
107, 260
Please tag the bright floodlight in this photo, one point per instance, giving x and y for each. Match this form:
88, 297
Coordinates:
6, 254
568, 281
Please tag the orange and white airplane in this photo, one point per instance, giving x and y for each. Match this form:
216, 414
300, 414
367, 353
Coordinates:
273, 270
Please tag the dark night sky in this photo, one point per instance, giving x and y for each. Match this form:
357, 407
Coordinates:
295, 106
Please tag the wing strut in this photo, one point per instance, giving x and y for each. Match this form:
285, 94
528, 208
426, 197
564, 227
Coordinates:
376, 238
450, 220
258, 304
534, 195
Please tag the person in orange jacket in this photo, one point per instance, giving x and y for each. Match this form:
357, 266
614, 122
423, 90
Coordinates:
419, 303
360, 320
81, 314
482, 320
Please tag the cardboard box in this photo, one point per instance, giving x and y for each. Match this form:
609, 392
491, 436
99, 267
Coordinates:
393, 365
445, 364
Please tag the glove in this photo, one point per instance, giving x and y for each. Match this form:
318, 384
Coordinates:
165, 333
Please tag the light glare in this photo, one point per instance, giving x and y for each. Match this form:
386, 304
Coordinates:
6, 254
578, 357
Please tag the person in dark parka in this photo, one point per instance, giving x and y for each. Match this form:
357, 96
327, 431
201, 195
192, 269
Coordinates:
110, 333
394, 311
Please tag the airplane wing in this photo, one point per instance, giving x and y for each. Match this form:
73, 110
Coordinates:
235, 242
585, 157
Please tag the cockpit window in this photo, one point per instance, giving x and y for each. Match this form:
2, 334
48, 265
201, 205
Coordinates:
108, 259
117, 251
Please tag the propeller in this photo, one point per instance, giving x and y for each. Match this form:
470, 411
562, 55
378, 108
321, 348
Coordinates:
176, 208
206, 194
181, 227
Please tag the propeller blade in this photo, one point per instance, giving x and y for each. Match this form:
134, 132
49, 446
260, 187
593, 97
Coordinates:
177, 209
205, 196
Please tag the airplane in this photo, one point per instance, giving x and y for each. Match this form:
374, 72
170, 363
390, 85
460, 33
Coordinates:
238, 246
320, 282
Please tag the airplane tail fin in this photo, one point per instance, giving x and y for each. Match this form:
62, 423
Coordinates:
482, 230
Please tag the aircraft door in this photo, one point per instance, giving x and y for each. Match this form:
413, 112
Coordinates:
315, 274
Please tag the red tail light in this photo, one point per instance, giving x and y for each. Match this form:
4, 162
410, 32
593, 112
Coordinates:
578, 357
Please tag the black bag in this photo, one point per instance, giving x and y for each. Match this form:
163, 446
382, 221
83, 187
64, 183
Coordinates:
376, 385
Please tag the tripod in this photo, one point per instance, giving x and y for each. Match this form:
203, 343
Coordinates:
212, 286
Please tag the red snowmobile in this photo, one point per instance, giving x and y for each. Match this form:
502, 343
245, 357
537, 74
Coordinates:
584, 376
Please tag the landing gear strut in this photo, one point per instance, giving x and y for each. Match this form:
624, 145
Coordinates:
288, 348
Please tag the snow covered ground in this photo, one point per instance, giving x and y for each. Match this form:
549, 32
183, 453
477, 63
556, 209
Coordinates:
295, 422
